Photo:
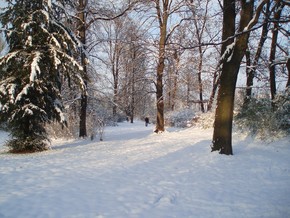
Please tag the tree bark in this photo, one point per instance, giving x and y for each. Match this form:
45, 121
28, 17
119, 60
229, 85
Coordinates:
250, 78
200, 87
252, 67
162, 17
84, 97
173, 80
231, 59
115, 71
132, 103
222, 135
272, 57
215, 83
288, 69
199, 29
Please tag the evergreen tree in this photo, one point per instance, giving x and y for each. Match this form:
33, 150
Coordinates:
41, 56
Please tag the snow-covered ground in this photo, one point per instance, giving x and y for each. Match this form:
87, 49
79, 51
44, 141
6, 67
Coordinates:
136, 173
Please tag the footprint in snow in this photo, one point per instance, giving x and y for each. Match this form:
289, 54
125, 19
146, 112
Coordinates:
165, 199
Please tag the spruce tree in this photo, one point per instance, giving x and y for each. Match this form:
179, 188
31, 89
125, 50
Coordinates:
41, 56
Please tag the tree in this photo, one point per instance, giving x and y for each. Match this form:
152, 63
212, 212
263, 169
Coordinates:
134, 86
84, 16
123, 55
162, 10
39, 60
172, 81
112, 45
272, 67
252, 65
288, 69
82, 29
200, 22
233, 51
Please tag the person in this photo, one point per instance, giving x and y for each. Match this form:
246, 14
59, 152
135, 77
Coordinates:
146, 121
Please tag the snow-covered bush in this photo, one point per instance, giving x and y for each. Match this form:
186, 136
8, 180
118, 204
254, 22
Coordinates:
183, 118
29, 144
205, 120
96, 124
282, 112
261, 119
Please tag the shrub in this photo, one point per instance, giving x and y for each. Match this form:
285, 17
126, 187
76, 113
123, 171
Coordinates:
282, 111
206, 120
182, 119
264, 118
27, 145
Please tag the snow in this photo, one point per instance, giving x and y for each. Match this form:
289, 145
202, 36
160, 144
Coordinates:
253, 21
35, 67
11, 90
136, 173
57, 104
49, 3
228, 53
10, 56
24, 91
29, 41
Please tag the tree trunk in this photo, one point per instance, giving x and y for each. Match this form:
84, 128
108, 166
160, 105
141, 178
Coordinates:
251, 67
169, 82
173, 89
162, 17
222, 136
159, 98
215, 83
288, 69
200, 80
84, 97
132, 104
83, 116
272, 68
115, 97
188, 90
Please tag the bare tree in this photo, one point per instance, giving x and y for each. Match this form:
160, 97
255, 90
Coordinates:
199, 23
252, 65
164, 11
82, 29
232, 53
277, 15
134, 85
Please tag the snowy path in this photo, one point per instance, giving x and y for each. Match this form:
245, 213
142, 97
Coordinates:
135, 173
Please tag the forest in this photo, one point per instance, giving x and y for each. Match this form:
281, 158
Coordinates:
68, 68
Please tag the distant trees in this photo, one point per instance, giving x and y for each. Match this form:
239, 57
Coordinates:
135, 86
112, 45
39, 60
84, 17
199, 20
122, 54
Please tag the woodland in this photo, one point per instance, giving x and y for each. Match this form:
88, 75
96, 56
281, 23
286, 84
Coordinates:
69, 68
